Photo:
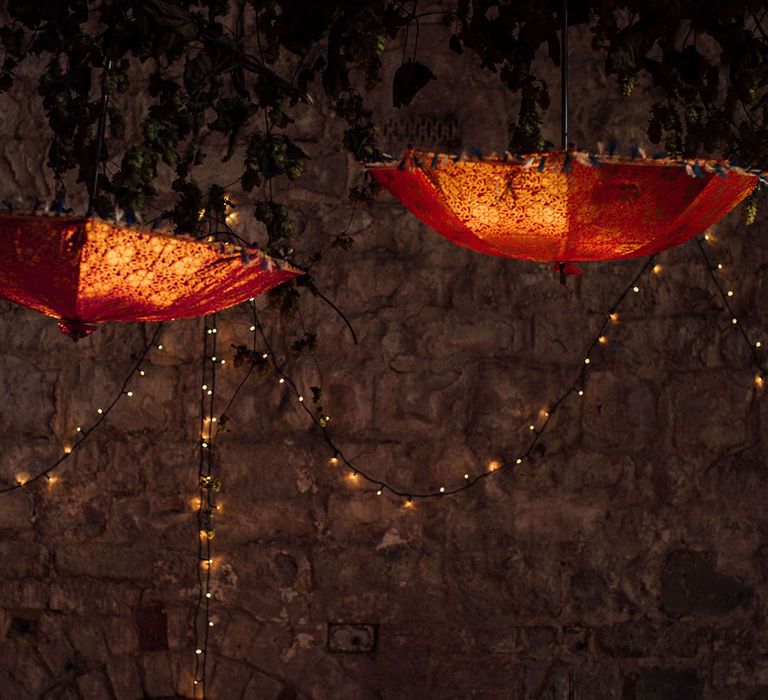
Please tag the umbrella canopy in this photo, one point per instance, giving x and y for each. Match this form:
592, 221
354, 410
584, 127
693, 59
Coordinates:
565, 206
85, 271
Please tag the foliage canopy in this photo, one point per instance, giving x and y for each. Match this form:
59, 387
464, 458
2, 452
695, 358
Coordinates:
243, 67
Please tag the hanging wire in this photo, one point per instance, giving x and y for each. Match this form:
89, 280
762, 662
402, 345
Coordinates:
322, 421
564, 75
84, 432
756, 360
99, 138
208, 487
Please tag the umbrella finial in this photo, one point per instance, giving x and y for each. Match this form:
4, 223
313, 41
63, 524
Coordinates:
76, 329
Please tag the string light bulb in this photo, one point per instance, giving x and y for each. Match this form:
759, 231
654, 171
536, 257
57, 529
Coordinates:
614, 317
656, 269
602, 340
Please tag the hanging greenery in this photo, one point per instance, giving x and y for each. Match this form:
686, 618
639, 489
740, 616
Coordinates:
244, 68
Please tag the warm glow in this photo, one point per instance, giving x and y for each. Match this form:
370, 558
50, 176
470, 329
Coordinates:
22, 478
602, 340
409, 504
67, 449
614, 317
759, 381
353, 477
76, 268
656, 269
333, 461
494, 464
622, 209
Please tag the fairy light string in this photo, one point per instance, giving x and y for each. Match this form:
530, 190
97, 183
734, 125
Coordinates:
83, 431
208, 488
381, 486
726, 295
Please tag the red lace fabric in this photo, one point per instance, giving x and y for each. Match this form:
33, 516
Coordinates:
85, 271
565, 206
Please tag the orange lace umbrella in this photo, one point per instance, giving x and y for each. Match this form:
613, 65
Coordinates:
565, 206
84, 271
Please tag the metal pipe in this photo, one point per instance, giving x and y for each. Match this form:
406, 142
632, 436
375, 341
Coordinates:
564, 75
99, 139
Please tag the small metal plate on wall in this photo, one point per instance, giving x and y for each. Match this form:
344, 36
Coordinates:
352, 638
430, 131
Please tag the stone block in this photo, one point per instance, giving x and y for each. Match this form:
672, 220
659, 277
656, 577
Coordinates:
124, 677
632, 639
588, 590
93, 685
152, 627
621, 413
87, 638
110, 561
690, 584
29, 396
709, 411
19, 559
668, 684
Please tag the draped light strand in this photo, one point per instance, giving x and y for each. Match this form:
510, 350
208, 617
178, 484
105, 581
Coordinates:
84, 430
207, 507
380, 487
727, 294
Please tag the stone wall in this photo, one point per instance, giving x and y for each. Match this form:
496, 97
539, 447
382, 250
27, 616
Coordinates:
626, 561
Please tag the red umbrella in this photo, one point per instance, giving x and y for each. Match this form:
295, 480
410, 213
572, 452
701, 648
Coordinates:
565, 206
85, 271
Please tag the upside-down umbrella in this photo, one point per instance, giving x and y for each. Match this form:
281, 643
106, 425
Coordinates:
565, 206
84, 271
